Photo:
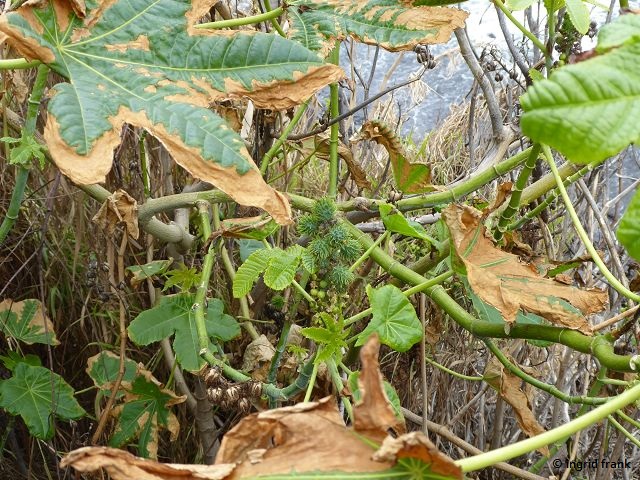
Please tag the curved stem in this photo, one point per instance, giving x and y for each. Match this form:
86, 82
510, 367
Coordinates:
520, 448
536, 41
451, 372
516, 194
274, 22
615, 283
551, 389
597, 345
205, 274
236, 22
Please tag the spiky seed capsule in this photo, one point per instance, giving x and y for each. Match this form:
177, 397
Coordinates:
324, 210
307, 225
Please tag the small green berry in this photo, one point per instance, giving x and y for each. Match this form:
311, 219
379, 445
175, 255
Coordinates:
323, 284
321, 294
314, 292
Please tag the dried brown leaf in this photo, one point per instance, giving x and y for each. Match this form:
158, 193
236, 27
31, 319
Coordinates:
504, 281
120, 207
373, 414
355, 170
257, 358
121, 465
410, 177
417, 445
508, 386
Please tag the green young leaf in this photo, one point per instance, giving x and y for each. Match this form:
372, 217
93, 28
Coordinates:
395, 26
144, 412
389, 391
26, 322
26, 151
629, 229
183, 277
394, 319
396, 223
173, 315
142, 62
249, 272
103, 370
140, 273
590, 110
37, 394
282, 268
330, 338
579, 14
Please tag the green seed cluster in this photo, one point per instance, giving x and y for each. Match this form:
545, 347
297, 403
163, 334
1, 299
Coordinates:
331, 250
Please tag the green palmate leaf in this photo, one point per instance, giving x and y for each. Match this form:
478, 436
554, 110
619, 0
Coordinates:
590, 110
139, 273
629, 229
103, 370
26, 322
579, 14
142, 62
249, 272
391, 24
173, 315
394, 319
145, 411
37, 394
330, 339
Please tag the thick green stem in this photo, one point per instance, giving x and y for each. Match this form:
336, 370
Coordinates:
520, 448
551, 389
22, 172
280, 347
473, 184
613, 281
334, 107
597, 345
536, 41
17, 63
516, 194
366, 254
550, 198
283, 138
274, 22
203, 286
237, 22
